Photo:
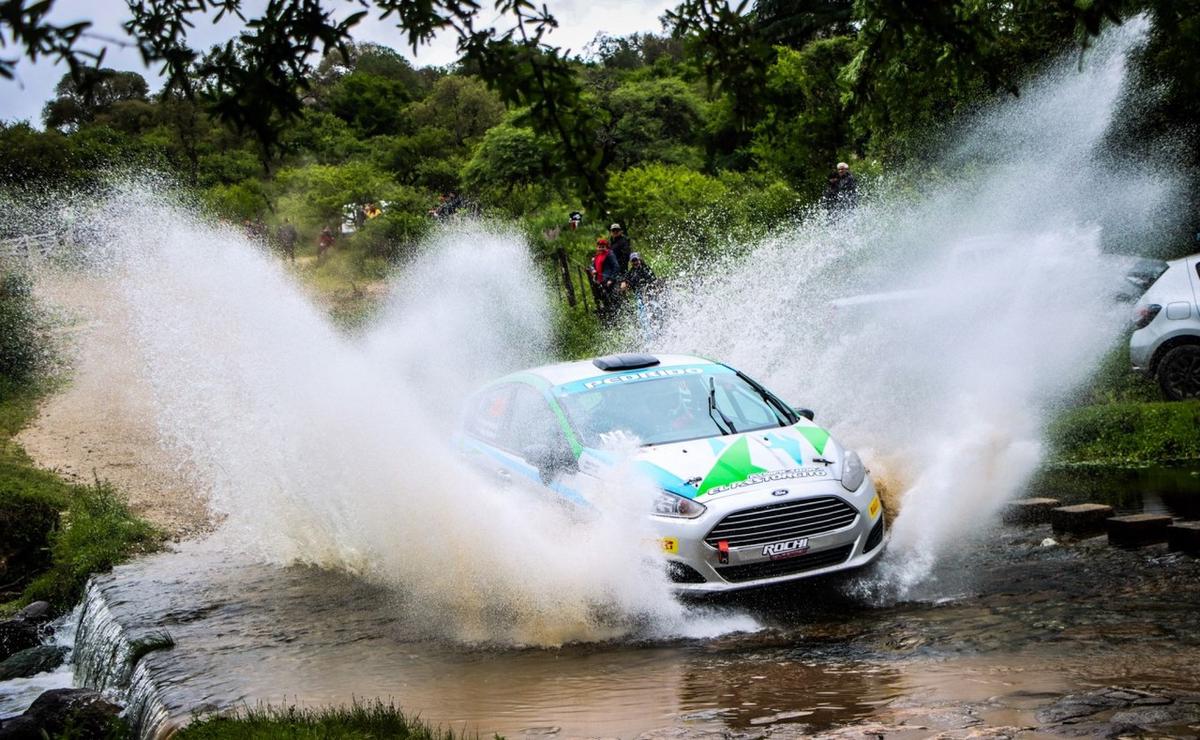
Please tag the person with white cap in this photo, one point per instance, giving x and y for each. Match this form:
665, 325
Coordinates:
847, 186
619, 243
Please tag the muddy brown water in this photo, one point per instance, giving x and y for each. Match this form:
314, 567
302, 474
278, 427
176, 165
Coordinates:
1009, 625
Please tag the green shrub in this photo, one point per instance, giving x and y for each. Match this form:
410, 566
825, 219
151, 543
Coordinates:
24, 335
663, 196
372, 720
97, 532
1127, 432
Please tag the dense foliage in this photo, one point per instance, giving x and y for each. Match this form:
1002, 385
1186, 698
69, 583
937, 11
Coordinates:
753, 101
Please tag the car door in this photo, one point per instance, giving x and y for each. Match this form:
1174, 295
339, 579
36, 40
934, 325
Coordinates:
488, 419
536, 439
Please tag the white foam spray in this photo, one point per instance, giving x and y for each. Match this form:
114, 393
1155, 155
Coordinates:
1001, 303
335, 450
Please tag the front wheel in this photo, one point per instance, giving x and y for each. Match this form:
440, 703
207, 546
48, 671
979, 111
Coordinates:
1179, 373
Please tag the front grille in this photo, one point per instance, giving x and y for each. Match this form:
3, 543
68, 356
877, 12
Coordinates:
786, 521
875, 537
786, 567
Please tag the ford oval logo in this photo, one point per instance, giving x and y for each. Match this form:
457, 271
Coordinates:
780, 492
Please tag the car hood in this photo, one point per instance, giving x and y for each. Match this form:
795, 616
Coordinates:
715, 467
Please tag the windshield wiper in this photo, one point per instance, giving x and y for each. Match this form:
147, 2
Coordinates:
712, 406
788, 416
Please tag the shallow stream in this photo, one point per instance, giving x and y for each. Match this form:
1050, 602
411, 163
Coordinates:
1008, 625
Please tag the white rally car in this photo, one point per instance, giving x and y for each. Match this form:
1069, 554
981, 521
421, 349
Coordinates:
751, 491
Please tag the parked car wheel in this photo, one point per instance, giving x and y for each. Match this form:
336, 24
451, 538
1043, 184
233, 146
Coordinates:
1179, 373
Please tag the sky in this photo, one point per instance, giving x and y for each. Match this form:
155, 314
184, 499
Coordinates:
579, 22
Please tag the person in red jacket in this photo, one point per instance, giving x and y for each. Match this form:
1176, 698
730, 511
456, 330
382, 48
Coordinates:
605, 267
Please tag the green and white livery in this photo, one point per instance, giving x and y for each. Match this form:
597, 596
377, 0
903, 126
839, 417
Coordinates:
750, 491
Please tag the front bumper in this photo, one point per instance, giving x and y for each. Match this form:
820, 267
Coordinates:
846, 548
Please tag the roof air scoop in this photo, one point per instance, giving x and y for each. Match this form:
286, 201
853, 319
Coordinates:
625, 361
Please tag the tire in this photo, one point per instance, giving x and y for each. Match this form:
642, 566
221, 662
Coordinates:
1178, 373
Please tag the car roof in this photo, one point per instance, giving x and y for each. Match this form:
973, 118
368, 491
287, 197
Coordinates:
566, 372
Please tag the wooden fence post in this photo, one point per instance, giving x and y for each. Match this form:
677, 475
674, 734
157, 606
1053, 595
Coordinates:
566, 275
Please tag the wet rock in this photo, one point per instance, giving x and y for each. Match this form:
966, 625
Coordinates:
36, 613
1137, 530
17, 635
32, 661
1029, 510
83, 710
1081, 519
1184, 537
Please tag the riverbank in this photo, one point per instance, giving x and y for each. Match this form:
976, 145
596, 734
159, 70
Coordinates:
58, 533
1127, 433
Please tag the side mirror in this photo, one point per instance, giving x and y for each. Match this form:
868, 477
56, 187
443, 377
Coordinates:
806, 413
549, 461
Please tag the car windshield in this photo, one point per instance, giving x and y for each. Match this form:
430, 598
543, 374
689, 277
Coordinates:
665, 405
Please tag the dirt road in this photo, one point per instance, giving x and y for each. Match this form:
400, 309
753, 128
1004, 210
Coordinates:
101, 424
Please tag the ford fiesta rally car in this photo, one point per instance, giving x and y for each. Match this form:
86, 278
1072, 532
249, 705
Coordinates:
751, 491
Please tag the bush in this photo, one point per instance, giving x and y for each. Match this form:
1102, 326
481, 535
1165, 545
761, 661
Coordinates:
1128, 432
660, 195
24, 336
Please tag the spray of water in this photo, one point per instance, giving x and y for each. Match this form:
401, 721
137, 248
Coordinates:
323, 448
319, 447
981, 299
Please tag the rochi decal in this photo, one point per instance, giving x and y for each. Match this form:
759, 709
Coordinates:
789, 549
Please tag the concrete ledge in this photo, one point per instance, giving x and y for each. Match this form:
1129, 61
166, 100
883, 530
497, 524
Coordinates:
1029, 510
1136, 530
1184, 537
1080, 519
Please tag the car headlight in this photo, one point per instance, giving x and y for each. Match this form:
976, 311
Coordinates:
668, 504
853, 471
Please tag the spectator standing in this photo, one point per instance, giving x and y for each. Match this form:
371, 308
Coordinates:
287, 239
620, 246
324, 241
847, 185
639, 277
605, 268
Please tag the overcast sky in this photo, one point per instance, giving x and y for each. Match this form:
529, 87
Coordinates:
579, 22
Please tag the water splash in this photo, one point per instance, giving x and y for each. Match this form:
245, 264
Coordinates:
334, 450
980, 299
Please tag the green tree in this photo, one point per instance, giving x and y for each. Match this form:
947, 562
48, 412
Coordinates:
320, 192
372, 105
508, 157
79, 98
656, 120
464, 106
805, 124
661, 194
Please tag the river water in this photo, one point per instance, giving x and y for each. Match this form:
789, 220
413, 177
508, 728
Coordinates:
1006, 626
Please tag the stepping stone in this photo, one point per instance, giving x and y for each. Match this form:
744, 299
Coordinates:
1029, 510
1080, 519
1136, 530
1184, 537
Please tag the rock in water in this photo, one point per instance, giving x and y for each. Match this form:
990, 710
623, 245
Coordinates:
37, 612
32, 661
17, 635
84, 710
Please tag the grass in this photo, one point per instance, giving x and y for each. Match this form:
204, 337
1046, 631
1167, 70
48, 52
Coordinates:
1127, 433
356, 722
57, 534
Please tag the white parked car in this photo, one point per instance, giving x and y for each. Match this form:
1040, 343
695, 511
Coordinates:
750, 492
1166, 339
